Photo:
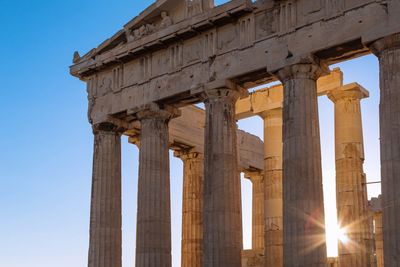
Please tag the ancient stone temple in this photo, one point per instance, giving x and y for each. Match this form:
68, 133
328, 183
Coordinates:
144, 82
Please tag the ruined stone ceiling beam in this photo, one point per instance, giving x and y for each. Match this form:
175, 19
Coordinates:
270, 98
187, 132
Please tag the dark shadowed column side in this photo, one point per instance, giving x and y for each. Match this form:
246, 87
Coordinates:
303, 206
388, 52
222, 203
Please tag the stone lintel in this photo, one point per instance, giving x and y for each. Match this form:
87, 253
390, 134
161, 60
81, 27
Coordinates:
270, 98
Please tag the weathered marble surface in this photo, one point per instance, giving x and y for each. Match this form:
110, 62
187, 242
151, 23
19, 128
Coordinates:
105, 244
273, 148
388, 52
153, 241
303, 209
376, 210
177, 63
351, 187
192, 210
222, 197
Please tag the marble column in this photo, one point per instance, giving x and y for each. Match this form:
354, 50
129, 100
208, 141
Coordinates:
351, 189
153, 241
258, 222
303, 207
273, 188
378, 239
105, 245
192, 210
222, 203
388, 52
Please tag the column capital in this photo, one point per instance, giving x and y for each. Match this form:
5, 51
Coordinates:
254, 176
386, 43
273, 113
133, 136
188, 154
308, 69
155, 111
352, 91
229, 93
107, 127
135, 140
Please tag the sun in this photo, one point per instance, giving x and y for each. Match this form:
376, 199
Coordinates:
342, 235
334, 235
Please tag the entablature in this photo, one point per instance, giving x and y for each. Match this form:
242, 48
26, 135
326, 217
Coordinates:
240, 41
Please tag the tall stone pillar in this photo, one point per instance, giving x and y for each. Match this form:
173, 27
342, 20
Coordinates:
105, 245
376, 212
303, 207
351, 188
222, 203
388, 52
378, 239
273, 188
192, 211
153, 241
258, 227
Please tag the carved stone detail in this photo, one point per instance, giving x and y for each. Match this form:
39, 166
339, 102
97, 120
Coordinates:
193, 7
334, 7
147, 29
287, 16
76, 57
246, 31
92, 86
166, 20
118, 78
176, 56
138, 33
105, 85
210, 44
146, 67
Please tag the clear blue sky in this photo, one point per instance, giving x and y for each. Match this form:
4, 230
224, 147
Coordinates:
46, 141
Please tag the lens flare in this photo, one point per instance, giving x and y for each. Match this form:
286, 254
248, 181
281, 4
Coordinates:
342, 235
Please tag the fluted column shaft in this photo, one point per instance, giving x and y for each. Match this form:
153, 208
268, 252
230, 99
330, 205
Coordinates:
192, 211
378, 239
258, 221
388, 52
273, 188
303, 208
222, 203
153, 242
105, 245
351, 189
